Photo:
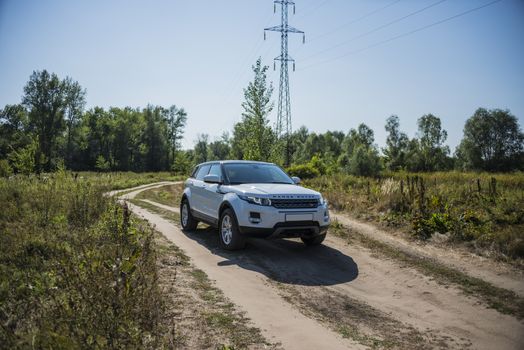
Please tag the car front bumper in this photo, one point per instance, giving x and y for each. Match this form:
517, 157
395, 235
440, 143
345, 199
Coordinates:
281, 223
285, 230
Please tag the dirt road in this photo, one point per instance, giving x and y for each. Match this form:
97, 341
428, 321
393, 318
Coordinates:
339, 295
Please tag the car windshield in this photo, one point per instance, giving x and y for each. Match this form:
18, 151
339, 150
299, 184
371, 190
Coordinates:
242, 173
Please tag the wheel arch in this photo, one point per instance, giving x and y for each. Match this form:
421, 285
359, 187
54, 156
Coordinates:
186, 195
225, 205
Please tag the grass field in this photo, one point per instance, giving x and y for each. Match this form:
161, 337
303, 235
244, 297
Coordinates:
121, 180
76, 269
482, 211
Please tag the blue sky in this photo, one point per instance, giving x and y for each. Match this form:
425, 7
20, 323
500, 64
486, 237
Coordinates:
197, 55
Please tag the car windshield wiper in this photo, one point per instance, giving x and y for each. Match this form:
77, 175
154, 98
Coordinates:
280, 182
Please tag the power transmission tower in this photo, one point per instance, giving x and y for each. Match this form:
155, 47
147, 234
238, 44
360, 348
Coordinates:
284, 101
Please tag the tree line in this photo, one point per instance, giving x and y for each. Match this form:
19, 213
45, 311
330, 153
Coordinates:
492, 142
51, 128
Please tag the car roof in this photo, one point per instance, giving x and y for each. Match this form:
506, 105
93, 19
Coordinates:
234, 161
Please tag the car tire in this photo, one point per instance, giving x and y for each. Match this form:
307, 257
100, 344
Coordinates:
313, 241
228, 233
188, 222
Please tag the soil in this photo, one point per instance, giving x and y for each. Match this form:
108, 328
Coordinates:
342, 295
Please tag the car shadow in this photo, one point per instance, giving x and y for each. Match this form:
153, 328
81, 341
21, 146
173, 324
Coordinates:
283, 260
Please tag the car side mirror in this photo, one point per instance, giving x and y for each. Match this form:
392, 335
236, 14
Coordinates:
212, 179
295, 179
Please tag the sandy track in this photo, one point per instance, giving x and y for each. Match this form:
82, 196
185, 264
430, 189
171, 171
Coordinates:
278, 320
499, 274
249, 278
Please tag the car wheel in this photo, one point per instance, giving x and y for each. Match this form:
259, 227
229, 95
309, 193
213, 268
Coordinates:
187, 220
313, 241
229, 234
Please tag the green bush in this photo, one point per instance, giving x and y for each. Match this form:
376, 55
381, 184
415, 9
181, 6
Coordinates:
364, 162
303, 171
5, 168
23, 160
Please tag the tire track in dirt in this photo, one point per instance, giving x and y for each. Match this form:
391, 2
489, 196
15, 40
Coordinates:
349, 279
498, 274
278, 320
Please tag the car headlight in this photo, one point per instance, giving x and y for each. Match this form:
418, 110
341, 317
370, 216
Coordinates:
322, 201
256, 200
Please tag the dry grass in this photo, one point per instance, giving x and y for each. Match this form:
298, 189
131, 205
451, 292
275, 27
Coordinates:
76, 270
482, 211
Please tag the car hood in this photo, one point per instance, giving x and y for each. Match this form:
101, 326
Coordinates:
275, 190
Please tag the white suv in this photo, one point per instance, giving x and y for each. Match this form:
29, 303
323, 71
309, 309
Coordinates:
252, 199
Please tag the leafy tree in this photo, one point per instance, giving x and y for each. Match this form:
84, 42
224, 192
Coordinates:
182, 164
313, 145
13, 129
102, 164
23, 159
253, 138
492, 141
5, 168
54, 105
74, 106
397, 145
100, 135
220, 149
127, 148
176, 122
154, 139
364, 161
45, 98
298, 138
363, 135
361, 155
428, 152
201, 149
333, 141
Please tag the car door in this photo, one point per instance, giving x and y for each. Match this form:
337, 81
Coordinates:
213, 195
198, 189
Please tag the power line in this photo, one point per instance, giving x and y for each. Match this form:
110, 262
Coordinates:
447, 19
369, 14
310, 9
374, 30
244, 67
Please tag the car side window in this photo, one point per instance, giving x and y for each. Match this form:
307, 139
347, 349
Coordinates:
215, 170
202, 171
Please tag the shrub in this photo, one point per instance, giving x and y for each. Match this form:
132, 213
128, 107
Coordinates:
102, 164
364, 162
23, 160
5, 168
303, 171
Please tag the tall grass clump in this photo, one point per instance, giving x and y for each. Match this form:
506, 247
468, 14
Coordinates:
76, 269
484, 210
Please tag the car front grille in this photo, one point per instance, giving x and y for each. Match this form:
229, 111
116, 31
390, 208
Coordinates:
294, 203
